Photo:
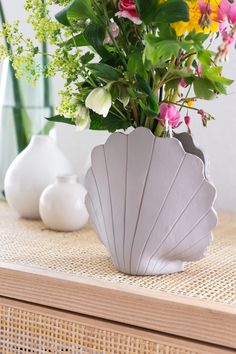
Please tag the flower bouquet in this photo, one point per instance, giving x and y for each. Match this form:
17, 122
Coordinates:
133, 63
128, 64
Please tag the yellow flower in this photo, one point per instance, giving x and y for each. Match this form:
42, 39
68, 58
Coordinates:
190, 103
202, 18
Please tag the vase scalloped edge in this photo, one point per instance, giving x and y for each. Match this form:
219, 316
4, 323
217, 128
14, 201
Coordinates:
152, 220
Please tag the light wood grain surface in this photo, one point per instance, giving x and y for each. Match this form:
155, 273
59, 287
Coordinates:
200, 313
186, 317
128, 332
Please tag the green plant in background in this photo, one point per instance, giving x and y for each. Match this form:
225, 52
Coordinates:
128, 62
21, 119
22, 107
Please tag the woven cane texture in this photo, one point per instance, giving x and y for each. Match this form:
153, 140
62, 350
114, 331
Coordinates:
29, 332
80, 253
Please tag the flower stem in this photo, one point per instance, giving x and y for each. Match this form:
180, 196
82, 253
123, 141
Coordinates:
120, 113
112, 38
182, 105
159, 130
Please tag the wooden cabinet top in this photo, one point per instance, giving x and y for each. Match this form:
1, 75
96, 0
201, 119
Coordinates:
73, 272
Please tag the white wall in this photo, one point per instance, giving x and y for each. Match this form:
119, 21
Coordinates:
218, 141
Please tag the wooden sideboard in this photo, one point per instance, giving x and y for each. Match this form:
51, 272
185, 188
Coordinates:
59, 293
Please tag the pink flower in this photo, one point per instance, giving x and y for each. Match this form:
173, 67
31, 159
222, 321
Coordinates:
169, 115
187, 120
223, 10
183, 83
205, 7
115, 33
227, 10
228, 38
128, 10
207, 15
223, 28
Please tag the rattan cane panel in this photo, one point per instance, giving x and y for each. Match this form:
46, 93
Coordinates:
29, 332
80, 253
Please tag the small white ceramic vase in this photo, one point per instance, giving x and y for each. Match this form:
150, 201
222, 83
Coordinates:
62, 204
150, 202
31, 172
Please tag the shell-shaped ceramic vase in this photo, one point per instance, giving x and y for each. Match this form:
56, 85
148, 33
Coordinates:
150, 203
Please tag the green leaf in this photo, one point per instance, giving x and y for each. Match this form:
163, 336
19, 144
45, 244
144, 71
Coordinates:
61, 119
136, 65
165, 31
203, 88
76, 41
86, 58
147, 13
214, 74
121, 93
189, 80
172, 84
110, 123
195, 39
172, 11
77, 10
185, 72
204, 56
160, 50
143, 85
95, 34
220, 88
105, 71
151, 99
62, 16
146, 110
167, 12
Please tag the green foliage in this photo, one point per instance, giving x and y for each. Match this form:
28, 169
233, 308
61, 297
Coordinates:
23, 125
203, 88
214, 74
76, 41
167, 12
86, 58
172, 11
130, 65
147, 13
110, 123
211, 83
143, 86
77, 10
204, 56
94, 35
61, 119
136, 65
105, 71
157, 49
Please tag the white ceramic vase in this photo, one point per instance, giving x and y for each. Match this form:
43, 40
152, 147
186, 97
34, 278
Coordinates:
62, 204
150, 202
31, 172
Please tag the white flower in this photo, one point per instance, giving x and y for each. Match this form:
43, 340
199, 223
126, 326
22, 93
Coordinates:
82, 118
99, 100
